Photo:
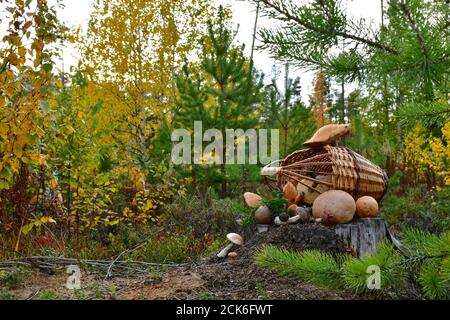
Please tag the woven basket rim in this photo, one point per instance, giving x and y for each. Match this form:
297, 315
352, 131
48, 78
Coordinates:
342, 159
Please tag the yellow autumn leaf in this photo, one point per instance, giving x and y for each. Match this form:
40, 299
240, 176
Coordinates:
53, 183
47, 219
42, 161
80, 115
44, 219
22, 51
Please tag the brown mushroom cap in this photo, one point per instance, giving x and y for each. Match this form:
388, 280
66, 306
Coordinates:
290, 193
335, 206
366, 207
232, 254
235, 238
293, 210
263, 215
327, 134
252, 199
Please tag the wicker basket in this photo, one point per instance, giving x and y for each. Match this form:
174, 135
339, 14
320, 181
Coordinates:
349, 171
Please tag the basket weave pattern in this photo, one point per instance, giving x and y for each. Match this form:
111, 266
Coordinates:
349, 171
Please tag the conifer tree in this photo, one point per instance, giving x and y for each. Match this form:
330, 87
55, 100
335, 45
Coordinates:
220, 91
286, 111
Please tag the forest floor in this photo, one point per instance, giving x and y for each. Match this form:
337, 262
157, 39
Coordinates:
207, 278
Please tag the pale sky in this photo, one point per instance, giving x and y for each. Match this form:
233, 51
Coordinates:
76, 12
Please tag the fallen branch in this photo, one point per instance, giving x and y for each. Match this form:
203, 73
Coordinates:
108, 273
124, 267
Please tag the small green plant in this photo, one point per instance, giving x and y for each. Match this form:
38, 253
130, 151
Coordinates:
156, 273
96, 289
249, 218
50, 252
47, 295
112, 292
206, 295
12, 279
7, 295
420, 204
194, 215
79, 294
411, 203
176, 247
261, 292
276, 203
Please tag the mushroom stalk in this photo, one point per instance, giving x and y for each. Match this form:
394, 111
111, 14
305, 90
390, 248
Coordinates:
277, 221
294, 219
291, 220
223, 253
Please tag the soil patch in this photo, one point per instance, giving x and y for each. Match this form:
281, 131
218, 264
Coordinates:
173, 286
244, 280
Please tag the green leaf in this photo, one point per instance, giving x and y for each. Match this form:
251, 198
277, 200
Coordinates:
47, 67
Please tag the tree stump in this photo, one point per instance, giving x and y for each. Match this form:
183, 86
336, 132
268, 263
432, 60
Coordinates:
362, 235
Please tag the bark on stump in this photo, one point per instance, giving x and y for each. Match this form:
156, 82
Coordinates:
362, 235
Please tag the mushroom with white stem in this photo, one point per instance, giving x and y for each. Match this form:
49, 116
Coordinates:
304, 213
235, 239
291, 220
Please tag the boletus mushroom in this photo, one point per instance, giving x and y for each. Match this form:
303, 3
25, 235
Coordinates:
304, 214
232, 255
290, 220
327, 135
334, 206
263, 215
253, 200
284, 217
292, 210
366, 207
235, 239
290, 193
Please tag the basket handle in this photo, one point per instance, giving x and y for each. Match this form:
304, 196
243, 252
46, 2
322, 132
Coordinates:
268, 170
